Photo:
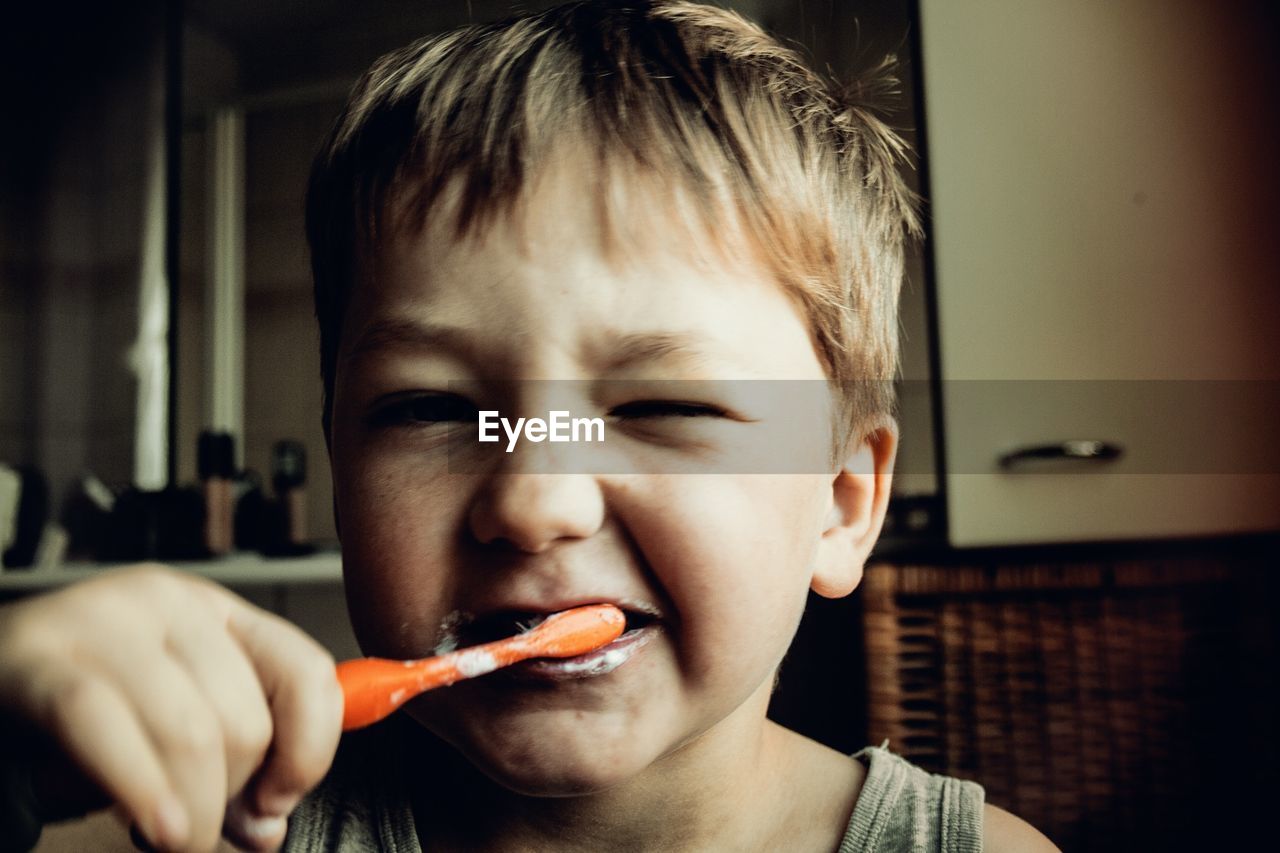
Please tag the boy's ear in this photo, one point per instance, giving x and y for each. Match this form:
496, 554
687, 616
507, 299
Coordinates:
859, 501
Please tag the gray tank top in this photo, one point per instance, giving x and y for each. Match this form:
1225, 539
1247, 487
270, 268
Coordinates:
901, 809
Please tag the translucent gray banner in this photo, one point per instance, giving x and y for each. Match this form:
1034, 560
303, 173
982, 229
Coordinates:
793, 427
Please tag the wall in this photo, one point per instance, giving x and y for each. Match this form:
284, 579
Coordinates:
283, 390
18, 270
282, 387
71, 218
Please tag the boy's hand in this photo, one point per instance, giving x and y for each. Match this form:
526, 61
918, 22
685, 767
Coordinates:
175, 700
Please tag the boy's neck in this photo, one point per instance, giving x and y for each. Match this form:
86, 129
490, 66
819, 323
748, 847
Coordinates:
733, 788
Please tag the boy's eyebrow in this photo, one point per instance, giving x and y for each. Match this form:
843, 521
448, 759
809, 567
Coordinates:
401, 333
622, 351
630, 349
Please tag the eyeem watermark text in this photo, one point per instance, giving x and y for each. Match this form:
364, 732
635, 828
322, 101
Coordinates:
557, 427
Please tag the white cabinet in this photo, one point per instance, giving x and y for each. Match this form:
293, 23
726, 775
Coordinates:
1105, 240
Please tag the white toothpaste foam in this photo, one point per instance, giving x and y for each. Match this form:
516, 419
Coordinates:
448, 632
475, 662
602, 664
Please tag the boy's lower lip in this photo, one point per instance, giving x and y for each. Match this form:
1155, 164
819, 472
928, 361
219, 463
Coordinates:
594, 664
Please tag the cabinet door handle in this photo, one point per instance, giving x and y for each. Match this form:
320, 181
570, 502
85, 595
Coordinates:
1085, 450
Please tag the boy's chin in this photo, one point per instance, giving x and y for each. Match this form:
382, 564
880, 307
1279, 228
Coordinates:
562, 762
573, 766
552, 779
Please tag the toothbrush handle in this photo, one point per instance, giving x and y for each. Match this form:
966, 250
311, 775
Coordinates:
373, 688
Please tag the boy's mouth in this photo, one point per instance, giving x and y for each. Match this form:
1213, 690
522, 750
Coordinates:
641, 627
500, 624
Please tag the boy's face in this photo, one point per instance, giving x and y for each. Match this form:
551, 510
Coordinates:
713, 568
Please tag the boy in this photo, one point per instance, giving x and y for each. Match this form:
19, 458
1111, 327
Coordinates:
639, 198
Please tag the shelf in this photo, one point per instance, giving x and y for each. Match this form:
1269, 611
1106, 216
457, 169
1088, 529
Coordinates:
238, 570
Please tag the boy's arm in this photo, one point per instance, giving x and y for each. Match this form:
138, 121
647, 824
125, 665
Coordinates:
174, 699
1006, 833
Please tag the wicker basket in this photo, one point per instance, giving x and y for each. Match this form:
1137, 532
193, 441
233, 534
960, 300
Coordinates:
1102, 703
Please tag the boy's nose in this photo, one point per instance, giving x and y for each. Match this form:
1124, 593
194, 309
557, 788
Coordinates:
532, 512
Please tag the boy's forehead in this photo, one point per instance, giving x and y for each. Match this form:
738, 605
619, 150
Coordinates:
620, 214
624, 279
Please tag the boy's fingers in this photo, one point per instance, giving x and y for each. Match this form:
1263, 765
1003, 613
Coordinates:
77, 710
301, 686
199, 699
227, 680
186, 735
248, 830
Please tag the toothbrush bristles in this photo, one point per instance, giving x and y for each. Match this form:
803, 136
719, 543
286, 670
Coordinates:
527, 625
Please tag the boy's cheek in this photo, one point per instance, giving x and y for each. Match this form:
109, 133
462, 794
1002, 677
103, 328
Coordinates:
392, 618
395, 557
385, 491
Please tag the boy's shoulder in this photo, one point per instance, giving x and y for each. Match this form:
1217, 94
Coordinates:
1006, 833
903, 807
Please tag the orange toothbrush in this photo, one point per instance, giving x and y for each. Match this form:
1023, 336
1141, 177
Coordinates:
374, 687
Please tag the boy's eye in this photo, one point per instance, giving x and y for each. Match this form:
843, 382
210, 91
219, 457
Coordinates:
425, 409
666, 409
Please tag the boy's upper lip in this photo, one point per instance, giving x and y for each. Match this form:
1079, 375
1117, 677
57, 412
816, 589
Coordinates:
554, 604
552, 582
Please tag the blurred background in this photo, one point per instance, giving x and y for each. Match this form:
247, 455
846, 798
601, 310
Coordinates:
1073, 600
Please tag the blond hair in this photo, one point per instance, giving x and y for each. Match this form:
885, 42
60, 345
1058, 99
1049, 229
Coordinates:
808, 173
